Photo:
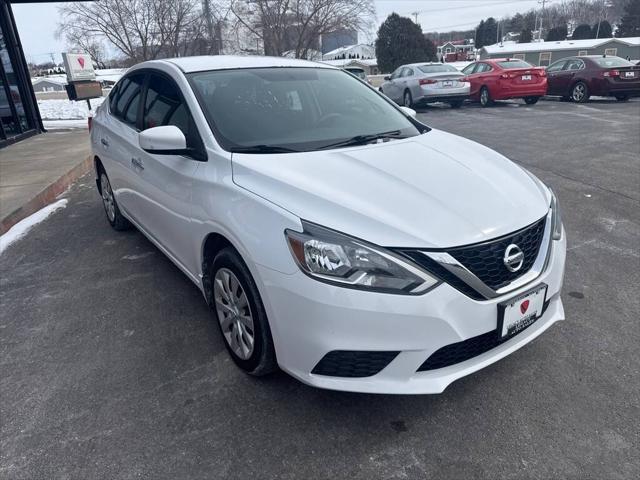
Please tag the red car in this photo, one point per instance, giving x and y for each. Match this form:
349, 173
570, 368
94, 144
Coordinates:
577, 78
505, 78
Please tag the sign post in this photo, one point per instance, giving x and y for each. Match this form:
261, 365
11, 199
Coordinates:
81, 76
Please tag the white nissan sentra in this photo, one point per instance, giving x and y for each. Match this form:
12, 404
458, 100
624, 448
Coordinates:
332, 234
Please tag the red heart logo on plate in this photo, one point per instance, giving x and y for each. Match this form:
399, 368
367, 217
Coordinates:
524, 306
81, 62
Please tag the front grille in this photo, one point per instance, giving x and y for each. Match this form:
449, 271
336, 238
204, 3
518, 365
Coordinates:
485, 260
351, 363
461, 351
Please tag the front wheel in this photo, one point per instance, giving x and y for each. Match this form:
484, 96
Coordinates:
241, 315
485, 97
580, 92
531, 100
622, 98
407, 99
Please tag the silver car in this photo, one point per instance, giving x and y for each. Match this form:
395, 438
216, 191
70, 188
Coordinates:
421, 83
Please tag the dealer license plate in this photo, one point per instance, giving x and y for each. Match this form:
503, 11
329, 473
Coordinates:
526, 77
447, 83
629, 74
518, 313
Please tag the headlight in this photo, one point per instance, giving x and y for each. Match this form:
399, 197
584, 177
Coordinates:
556, 218
338, 259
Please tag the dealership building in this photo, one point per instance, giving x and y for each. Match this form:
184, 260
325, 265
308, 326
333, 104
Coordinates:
19, 114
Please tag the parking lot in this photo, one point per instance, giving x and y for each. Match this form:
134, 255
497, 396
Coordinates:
112, 365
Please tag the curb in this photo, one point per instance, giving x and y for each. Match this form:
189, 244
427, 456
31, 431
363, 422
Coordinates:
46, 196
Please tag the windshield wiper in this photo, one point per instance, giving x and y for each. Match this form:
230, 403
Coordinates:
263, 149
364, 139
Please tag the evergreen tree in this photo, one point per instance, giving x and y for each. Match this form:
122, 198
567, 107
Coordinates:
582, 31
490, 31
603, 31
401, 41
557, 33
480, 35
525, 36
630, 22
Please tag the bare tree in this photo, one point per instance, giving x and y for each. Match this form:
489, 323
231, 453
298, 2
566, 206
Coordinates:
140, 29
297, 25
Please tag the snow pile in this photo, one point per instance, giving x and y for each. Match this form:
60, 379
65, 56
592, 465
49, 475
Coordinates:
66, 109
21, 228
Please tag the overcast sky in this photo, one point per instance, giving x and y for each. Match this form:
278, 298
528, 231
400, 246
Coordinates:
37, 22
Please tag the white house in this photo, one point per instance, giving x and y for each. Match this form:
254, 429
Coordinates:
369, 65
361, 51
48, 84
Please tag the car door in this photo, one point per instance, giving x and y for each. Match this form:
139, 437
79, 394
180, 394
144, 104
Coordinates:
117, 140
166, 180
555, 79
393, 89
473, 76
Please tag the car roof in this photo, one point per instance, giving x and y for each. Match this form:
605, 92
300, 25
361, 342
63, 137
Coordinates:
224, 62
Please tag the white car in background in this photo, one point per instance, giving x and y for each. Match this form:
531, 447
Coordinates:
422, 83
331, 233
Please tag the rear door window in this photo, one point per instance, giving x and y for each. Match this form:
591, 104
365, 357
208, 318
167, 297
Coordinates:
126, 101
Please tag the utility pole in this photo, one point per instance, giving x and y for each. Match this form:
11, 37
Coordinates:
543, 2
415, 16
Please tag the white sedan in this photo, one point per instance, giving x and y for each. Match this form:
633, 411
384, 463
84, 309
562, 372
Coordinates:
332, 234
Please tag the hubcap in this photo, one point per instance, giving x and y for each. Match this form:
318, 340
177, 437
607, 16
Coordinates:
484, 97
578, 92
407, 100
107, 198
234, 313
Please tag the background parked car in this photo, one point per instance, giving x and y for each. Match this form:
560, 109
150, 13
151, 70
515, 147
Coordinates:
577, 78
422, 83
505, 78
358, 72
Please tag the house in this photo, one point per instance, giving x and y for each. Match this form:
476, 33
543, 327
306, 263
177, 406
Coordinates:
545, 53
48, 84
340, 38
455, 51
361, 51
369, 65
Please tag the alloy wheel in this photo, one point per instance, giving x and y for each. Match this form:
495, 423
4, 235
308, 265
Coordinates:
579, 91
484, 97
107, 198
234, 313
407, 99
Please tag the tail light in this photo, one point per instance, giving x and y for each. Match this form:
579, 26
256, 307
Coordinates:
541, 72
507, 75
612, 73
427, 81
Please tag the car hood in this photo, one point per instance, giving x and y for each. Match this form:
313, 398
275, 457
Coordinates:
434, 190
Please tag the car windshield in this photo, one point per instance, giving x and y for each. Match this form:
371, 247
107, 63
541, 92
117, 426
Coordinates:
298, 109
357, 72
437, 68
612, 62
514, 64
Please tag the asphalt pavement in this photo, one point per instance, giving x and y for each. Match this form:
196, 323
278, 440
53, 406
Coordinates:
112, 367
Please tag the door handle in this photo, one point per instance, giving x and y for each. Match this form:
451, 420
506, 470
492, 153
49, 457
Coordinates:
104, 142
137, 163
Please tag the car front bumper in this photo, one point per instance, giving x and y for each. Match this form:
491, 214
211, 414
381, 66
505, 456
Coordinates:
309, 319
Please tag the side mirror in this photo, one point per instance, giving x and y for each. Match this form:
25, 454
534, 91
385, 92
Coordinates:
165, 140
409, 112
387, 78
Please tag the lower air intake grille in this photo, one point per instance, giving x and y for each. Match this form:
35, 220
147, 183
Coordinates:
349, 363
461, 351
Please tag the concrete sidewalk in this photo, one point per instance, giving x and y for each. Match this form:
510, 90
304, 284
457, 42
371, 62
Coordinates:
33, 172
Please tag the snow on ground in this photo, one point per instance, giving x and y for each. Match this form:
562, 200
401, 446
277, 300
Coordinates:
62, 109
21, 228
65, 124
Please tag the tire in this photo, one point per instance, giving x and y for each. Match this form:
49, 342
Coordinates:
248, 341
456, 103
407, 99
622, 98
485, 97
580, 92
531, 100
111, 209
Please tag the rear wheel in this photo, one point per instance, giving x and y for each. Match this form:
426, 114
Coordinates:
580, 92
531, 100
485, 97
622, 98
241, 315
456, 103
117, 221
407, 99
